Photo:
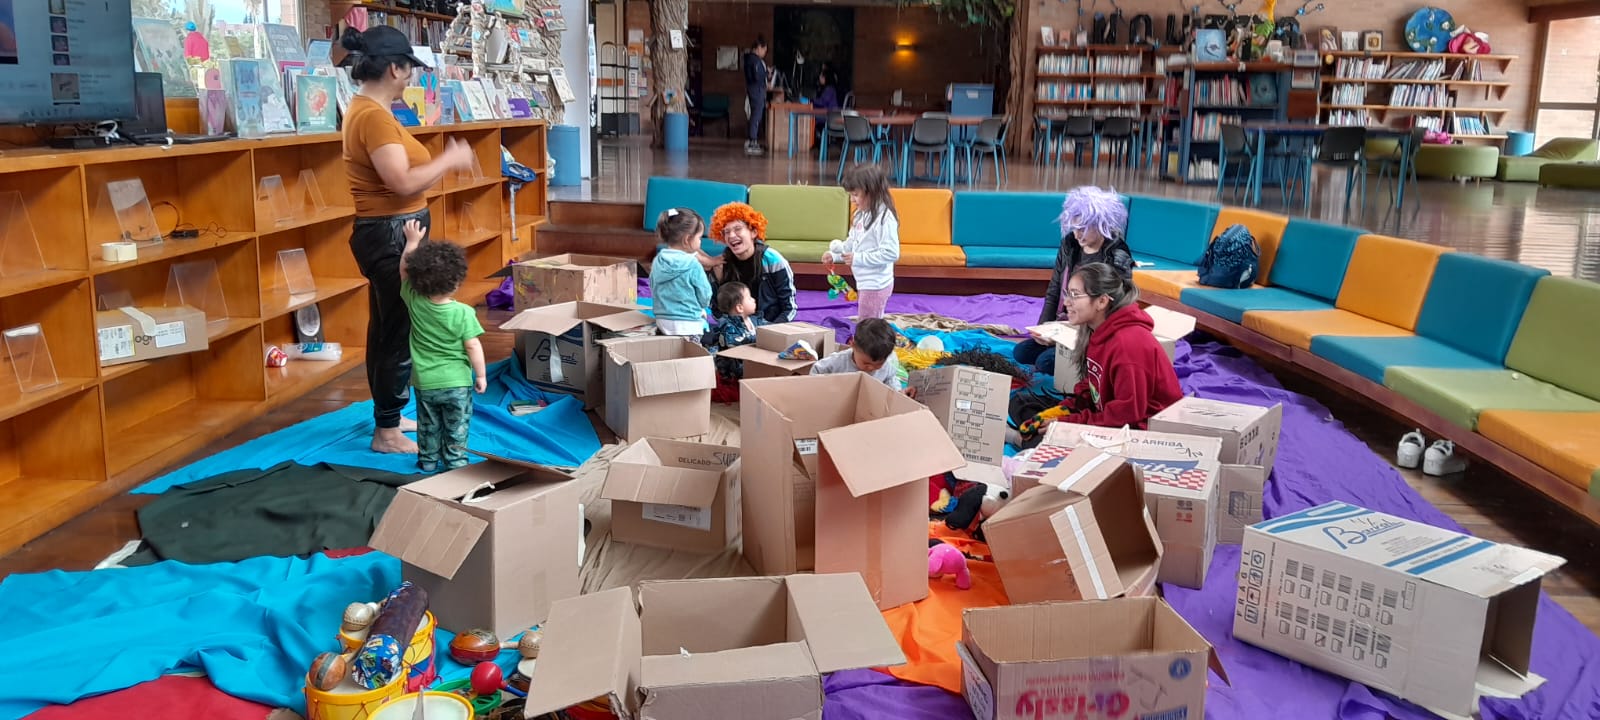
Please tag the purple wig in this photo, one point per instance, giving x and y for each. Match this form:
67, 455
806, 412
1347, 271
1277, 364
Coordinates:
1090, 207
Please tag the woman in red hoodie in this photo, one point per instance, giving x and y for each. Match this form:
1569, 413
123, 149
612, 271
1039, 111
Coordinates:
1127, 377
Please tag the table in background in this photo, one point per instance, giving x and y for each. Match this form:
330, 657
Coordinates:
1262, 128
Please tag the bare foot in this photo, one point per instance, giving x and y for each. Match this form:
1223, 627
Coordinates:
407, 425
391, 440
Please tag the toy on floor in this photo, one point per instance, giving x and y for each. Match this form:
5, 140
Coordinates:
381, 659
994, 498
957, 500
328, 670
475, 646
990, 361
800, 350
945, 559
836, 284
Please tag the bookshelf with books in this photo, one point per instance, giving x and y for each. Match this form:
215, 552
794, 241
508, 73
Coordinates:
1204, 96
1098, 80
1453, 93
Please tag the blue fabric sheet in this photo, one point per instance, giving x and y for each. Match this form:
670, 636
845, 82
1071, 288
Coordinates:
559, 435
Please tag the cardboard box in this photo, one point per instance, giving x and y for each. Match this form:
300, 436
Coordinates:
658, 387
1127, 657
574, 278
972, 405
1249, 435
494, 544
136, 334
1433, 616
749, 648
1082, 533
1170, 327
675, 495
559, 345
1181, 476
834, 479
761, 359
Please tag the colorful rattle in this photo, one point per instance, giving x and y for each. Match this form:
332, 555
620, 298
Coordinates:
475, 646
836, 284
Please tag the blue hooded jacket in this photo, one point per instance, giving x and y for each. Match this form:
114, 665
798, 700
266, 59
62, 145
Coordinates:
679, 286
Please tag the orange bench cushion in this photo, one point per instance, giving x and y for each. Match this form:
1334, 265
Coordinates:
925, 215
1166, 283
1565, 443
1267, 228
1387, 280
1297, 327
932, 256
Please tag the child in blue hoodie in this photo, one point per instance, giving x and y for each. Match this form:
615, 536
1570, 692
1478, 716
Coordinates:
677, 281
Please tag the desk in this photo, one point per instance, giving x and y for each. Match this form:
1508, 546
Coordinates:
1261, 129
779, 141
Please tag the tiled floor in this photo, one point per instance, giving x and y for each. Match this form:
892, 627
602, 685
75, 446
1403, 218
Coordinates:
1553, 228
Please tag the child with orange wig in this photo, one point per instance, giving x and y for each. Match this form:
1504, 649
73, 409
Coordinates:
748, 260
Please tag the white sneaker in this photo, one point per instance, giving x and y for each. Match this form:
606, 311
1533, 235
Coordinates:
1441, 459
1409, 454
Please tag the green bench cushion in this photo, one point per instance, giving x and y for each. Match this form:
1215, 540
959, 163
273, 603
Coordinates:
803, 212
1459, 395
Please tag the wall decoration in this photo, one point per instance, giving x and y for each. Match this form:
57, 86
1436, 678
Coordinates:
1349, 40
1429, 30
1372, 40
1468, 42
1329, 39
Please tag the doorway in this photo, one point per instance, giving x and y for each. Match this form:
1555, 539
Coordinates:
807, 40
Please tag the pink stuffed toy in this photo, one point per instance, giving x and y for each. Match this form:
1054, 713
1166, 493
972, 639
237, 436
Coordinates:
945, 559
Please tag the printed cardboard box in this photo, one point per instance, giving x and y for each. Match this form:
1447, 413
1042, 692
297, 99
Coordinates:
751, 648
574, 278
674, 495
658, 387
1249, 435
761, 359
834, 478
494, 544
971, 403
1170, 327
1432, 616
559, 345
1119, 658
135, 334
1081, 532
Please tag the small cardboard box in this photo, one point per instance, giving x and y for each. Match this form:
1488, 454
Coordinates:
1433, 616
750, 648
1181, 477
1082, 533
972, 404
1170, 327
658, 387
559, 345
674, 495
834, 479
1126, 657
574, 278
761, 359
494, 544
1249, 435
134, 334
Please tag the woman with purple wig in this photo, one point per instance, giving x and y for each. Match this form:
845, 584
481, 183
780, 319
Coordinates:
1093, 222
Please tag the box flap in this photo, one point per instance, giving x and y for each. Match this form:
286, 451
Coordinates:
751, 353
1219, 414
1170, 324
888, 452
551, 472
640, 474
590, 650
665, 377
427, 532
726, 667
619, 321
551, 319
841, 623
1084, 547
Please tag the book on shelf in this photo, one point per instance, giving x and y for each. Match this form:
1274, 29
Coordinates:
283, 45
242, 82
316, 104
157, 48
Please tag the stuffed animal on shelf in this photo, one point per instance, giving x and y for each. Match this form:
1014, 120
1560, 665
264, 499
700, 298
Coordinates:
945, 559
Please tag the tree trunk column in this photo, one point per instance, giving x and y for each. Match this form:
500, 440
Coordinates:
669, 65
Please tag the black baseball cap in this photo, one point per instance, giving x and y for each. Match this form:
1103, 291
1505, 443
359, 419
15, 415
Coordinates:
385, 41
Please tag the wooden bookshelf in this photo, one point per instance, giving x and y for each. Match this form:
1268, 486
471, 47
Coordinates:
1203, 96
1099, 80
101, 430
1445, 100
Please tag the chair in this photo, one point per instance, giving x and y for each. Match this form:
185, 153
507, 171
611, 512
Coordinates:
1118, 133
834, 129
850, 100
715, 107
990, 140
1042, 138
1234, 147
1079, 131
859, 136
931, 136
1345, 147
1391, 162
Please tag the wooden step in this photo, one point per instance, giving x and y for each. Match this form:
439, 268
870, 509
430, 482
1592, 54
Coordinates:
598, 214
557, 238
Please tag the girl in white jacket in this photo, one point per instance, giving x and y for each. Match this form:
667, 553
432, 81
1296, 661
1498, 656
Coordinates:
874, 242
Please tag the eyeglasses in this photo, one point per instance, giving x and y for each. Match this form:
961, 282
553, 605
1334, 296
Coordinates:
1075, 295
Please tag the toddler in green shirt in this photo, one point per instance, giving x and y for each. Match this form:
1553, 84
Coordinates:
446, 355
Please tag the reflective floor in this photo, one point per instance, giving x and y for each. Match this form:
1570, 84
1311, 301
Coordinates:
1553, 228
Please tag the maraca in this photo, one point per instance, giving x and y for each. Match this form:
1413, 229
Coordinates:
486, 679
328, 670
475, 646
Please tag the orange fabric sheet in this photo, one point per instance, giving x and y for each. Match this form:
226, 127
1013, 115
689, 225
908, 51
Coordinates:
928, 630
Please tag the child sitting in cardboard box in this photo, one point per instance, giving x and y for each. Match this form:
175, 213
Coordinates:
737, 326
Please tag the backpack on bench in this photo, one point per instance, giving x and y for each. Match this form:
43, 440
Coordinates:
1232, 260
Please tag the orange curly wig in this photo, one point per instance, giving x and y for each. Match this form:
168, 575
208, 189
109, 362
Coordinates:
738, 212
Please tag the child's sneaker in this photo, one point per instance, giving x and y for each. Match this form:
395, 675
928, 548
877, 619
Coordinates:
1441, 459
1409, 454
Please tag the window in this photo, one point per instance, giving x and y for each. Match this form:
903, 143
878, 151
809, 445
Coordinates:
218, 20
1569, 92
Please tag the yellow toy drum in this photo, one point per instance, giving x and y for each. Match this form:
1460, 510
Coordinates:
349, 701
419, 656
436, 706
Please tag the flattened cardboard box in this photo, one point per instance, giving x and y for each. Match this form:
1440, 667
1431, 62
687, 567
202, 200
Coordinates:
833, 478
559, 345
761, 359
658, 387
1082, 533
1433, 616
574, 278
1249, 435
1170, 327
1118, 658
136, 334
1180, 487
749, 648
675, 495
972, 404
494, 544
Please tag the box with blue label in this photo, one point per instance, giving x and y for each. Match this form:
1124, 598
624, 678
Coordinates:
1432, 616
558, 345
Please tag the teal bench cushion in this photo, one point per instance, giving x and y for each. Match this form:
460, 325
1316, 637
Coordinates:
1370, 357
1008, 219
1558, 339
1459, 395
1177, 230
1474, 304
701, 196
1151, 262
979, 256
803, 212
1312, 257
1231, 305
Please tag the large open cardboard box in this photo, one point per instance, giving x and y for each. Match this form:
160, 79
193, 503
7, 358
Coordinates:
658, 387
1435, 617
674, 495
1249, 435
573, 278
559, 348
748, 648
761, 359
972, 405
834, 474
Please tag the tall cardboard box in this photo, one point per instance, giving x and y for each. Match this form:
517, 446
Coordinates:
658, 387
1249, 435
1120, 658
134, 334
1433, 616
494, 544
761, 359
749, 648
1082, 533
1170, 327
834, 471
674, 495
574, 278
559, 345
972, 404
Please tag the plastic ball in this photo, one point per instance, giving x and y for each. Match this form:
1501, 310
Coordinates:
528, 646
474, 646
327, 671
486, 678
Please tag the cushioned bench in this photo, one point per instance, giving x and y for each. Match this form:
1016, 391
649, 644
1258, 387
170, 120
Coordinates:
1267, 228
1168, 234
1008, 229
1526, 168
924, 216
701, 196
1583, 175
1306, 273
1457, 161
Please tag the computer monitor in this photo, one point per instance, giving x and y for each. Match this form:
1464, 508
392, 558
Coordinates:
64, 61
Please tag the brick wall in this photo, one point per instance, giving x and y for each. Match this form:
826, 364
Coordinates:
729, 24
942, 53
